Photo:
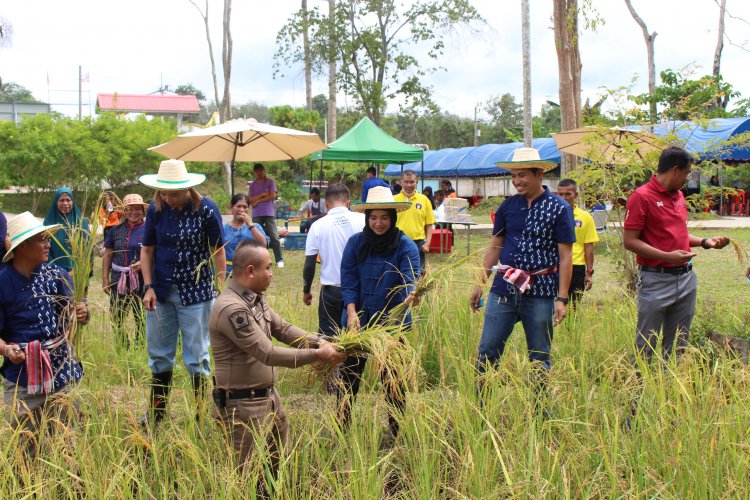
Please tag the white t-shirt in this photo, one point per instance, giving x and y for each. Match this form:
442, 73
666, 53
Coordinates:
328, 237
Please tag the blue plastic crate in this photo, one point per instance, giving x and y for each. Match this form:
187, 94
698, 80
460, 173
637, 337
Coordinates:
295, 241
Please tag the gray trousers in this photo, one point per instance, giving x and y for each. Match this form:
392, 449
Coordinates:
666, 303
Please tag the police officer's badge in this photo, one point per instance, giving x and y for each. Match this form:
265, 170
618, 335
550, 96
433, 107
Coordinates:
239, 320
419, 206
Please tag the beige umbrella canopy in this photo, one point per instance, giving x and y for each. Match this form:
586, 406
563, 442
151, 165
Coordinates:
241, 140
606, 143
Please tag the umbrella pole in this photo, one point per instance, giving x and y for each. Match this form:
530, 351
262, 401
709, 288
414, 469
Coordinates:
231, 170
422, 162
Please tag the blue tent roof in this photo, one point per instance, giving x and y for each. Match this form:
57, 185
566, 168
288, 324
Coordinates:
473, 161
704, 141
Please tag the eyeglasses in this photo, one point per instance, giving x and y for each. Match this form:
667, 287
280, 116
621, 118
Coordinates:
43, 239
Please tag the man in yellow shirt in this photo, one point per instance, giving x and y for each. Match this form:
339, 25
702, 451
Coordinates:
583, 248
418, 222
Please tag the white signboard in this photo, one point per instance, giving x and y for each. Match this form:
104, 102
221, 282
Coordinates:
315, 183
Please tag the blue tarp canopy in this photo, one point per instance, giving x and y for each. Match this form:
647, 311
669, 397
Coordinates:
473, 161
704, 141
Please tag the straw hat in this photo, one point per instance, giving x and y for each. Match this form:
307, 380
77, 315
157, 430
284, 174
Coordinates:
133, 199
526, 158
172, 176
380, 198
22, 227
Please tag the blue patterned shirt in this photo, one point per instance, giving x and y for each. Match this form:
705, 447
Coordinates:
30, 309
183, 241
531, 238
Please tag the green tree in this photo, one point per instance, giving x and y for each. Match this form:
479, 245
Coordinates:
683, 98
13, 92
506, 118
189, 89
296, 118
373, 38
126, 143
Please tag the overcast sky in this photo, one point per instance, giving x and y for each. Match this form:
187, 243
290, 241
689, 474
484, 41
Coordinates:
135, 46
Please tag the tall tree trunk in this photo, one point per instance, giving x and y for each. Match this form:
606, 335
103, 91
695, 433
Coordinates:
226, 56
720, 41
204, 15
526, 49
226, 102
565, 18
332, 71
649, 39
306, 51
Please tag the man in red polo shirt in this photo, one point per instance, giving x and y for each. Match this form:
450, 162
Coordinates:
656, 231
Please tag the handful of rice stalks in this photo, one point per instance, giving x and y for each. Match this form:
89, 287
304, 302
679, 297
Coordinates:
384, 345
739, 251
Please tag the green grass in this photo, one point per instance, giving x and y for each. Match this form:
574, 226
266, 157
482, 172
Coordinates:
690, 440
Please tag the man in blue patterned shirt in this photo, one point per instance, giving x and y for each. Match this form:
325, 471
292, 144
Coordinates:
531, 250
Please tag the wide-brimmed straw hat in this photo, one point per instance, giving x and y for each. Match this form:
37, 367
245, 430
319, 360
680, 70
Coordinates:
22, 227
133, 199
172, 176
527, 158
380, 198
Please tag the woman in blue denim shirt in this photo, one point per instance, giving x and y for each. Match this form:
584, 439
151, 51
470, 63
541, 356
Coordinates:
241, 227
183, 233
375, 266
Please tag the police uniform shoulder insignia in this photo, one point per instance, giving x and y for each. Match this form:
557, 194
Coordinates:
239, 319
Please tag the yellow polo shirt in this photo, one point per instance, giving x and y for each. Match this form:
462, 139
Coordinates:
585, 233
413, 221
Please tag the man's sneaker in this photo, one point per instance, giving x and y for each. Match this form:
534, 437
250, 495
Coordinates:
280, 263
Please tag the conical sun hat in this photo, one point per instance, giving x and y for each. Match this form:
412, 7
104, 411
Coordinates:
172, 176
133, 199
527, 158
380, 198
22, 227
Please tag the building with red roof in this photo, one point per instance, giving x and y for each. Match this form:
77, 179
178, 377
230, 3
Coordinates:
150, 104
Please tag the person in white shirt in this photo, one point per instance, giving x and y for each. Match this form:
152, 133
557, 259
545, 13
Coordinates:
313, 209
327, 239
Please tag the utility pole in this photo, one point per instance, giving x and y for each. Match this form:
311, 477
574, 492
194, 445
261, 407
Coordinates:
526, 49
476, 125
80, 93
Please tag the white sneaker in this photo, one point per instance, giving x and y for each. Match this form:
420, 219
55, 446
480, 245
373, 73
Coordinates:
280, 263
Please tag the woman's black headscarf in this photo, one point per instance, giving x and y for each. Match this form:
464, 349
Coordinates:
383, 244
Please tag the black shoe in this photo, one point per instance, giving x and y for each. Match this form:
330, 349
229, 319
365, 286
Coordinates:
160, 386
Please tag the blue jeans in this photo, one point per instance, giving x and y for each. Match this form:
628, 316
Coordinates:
162, 326
503, 312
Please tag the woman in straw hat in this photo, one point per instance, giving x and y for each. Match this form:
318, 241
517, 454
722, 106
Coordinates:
35, 317
121, 267
377, 266
183, 233
66, 213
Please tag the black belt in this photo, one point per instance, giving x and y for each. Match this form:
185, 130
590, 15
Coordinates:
330, 286
676, 271
249, 393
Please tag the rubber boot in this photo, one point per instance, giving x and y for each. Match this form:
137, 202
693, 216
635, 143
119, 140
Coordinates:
160, 386
199, 389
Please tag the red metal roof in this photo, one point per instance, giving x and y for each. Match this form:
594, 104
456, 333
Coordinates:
157, 103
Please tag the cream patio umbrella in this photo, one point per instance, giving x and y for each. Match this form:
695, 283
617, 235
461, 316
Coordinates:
607, 142
241, 140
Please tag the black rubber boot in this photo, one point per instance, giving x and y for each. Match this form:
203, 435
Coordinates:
160, 386
199, 389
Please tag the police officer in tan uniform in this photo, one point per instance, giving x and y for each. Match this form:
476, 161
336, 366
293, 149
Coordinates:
241, 327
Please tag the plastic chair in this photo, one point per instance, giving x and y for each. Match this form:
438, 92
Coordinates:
600, 220
737, 203
492, 217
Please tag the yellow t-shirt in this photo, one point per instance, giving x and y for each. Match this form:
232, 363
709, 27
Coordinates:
413, 221
585, 233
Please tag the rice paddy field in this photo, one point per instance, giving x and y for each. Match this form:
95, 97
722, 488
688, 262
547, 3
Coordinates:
690, 437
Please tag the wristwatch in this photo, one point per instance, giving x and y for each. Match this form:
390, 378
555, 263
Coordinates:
147, 287
564, 300
589, 271
703, 243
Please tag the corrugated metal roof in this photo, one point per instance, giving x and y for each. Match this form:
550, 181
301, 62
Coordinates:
157, 103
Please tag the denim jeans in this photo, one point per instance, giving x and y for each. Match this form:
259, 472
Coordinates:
162, 326
503, 312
